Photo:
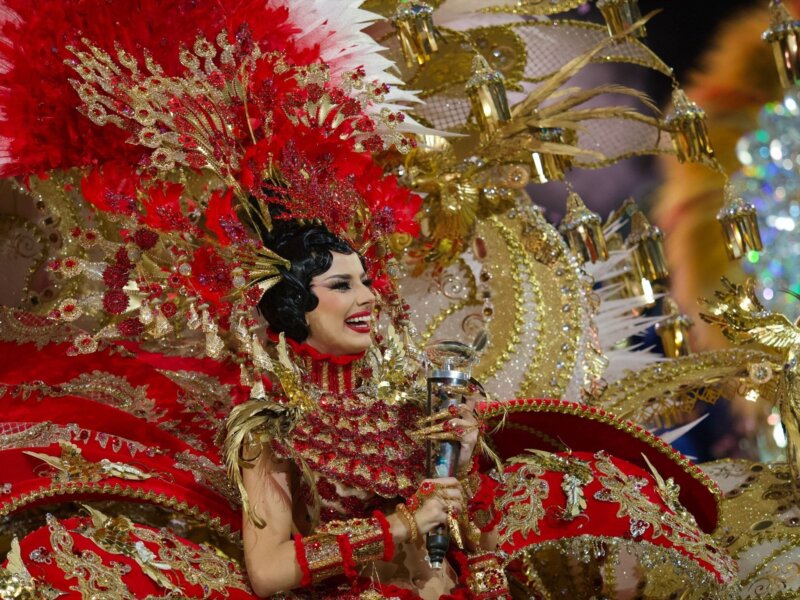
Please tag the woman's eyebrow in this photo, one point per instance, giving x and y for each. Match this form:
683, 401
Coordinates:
337, 276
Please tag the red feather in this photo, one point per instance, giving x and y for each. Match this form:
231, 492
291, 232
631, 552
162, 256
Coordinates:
222, 221
112, 188
41, 128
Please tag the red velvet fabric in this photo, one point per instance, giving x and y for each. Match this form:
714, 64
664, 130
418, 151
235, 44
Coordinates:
601, 518
168, 425
161, 431
45, 566
589, 429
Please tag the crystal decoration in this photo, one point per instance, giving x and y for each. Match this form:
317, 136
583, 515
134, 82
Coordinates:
769, 180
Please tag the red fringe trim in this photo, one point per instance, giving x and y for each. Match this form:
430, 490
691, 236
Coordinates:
346, 550
388, 540
302, 561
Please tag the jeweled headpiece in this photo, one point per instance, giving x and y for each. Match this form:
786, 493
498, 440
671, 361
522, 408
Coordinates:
239, 119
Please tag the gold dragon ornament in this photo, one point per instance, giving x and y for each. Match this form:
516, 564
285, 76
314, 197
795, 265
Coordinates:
744, 320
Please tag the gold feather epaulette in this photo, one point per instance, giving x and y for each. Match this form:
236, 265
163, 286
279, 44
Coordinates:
261, 420
359, 411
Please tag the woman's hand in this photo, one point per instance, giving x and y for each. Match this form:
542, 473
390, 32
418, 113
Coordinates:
435, 497
467, 427
455, 423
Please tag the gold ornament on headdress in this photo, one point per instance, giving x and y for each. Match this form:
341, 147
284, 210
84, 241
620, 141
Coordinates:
414, 23
264, 268
621, 16
687, 125
486, 91
784, 37
647, 243
739, 225
673, 331
119, 92
548, 166
583, 231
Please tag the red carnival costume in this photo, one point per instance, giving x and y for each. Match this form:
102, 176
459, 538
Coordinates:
201, 119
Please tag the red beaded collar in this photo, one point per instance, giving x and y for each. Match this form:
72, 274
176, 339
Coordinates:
332, 372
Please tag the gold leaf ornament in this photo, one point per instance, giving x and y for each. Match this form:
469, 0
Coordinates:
522, 503
72, 466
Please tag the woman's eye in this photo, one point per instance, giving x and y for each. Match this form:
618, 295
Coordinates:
342, 285
367, 283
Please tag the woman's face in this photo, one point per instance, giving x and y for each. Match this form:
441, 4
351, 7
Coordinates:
342, 321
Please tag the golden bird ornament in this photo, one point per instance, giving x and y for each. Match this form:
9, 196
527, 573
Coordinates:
744, 320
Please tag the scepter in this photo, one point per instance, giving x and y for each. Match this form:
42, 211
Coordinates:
449, 370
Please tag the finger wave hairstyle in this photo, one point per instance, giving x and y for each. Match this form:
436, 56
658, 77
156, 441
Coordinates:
308, 247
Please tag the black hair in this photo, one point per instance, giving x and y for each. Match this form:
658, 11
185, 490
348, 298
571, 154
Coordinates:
309, 248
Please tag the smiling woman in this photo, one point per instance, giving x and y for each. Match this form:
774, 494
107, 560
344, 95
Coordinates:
310, 250
323, 304
325, 297
342, 321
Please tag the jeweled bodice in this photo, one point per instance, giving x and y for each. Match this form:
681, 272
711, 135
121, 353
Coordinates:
356, 445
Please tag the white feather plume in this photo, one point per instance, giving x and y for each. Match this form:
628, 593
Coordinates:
616, 320
338, 28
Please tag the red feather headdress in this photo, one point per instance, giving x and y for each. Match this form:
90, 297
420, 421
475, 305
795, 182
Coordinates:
198, 96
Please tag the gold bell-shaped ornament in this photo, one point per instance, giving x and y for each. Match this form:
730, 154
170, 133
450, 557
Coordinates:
414, 24
647, 244
739, 225
687, 126
486, 90
620, 15
546, 166
784, 37
674, 330
583, 230
631, 283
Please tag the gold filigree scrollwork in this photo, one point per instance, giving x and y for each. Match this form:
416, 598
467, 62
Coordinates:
24, 328
72, 466
522, 504
664, 392
577, 474
602, 567
105, 388
94, 578
208, 473
674, 524
164, 553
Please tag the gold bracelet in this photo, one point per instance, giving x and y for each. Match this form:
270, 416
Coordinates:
411, 523
470, 484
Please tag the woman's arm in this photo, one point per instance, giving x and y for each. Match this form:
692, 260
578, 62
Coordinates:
270, 553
